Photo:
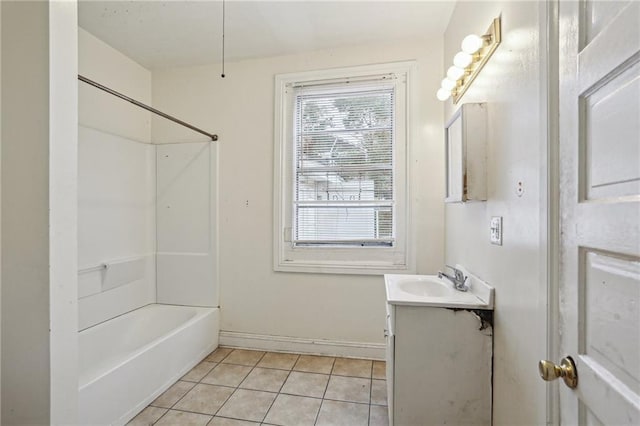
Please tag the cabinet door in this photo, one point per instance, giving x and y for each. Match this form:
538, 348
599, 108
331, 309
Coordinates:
442, 367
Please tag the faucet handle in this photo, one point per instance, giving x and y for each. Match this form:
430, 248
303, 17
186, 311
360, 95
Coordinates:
458, 273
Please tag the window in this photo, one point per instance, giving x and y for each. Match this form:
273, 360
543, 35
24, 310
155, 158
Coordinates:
341, 170
343, 159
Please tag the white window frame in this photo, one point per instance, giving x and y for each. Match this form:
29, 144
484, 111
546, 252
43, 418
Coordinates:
344, 260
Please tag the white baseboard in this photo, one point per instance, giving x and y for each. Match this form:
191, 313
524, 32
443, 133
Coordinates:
299, 345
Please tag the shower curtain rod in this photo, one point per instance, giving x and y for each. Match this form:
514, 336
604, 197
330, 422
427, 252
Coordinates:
147, 107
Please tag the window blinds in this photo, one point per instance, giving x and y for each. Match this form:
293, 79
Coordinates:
344, 192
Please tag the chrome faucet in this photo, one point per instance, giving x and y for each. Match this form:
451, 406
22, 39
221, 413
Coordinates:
458, 279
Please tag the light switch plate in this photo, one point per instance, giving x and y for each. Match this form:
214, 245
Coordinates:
496, 230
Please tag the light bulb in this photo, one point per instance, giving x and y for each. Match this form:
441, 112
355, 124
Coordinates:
471, 44
448, 84
454, 73
443, 94
462, 60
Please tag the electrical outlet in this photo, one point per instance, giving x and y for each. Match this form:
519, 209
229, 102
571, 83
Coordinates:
496, 230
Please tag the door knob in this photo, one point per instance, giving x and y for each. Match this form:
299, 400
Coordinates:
567, 370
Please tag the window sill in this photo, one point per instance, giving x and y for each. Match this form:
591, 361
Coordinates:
365, 268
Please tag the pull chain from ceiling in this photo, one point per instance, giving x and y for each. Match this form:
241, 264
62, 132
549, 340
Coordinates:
223, 19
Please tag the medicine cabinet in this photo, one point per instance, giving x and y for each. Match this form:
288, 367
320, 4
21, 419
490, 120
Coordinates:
466, 154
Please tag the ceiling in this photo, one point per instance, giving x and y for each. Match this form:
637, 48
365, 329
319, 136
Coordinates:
164, 34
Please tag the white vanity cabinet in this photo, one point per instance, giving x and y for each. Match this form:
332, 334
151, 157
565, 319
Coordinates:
439, 356
466, 154
439, 367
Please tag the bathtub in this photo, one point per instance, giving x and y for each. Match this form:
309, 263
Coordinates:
126, 362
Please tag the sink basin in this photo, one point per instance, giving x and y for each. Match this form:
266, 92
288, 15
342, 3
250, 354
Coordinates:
426, 286
430, 290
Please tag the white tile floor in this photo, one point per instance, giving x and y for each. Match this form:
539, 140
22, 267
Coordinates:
235, 387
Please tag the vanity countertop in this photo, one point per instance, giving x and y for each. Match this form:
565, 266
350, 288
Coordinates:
429, 290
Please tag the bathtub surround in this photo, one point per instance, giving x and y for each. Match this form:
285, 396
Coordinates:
296, 311
147, 212
116, 224
116, 186
146, 219
39, 128
512, 86
186, 211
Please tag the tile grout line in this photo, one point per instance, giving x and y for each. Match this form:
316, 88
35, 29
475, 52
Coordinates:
258, 390
163, 414
277, 393
192, 387
333, 365
185, 394
184, 411
230, 395
238, 386
325, 392
274, 399
252, 369
281, 386
370, 395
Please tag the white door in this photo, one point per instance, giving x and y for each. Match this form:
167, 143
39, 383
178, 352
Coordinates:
600, 210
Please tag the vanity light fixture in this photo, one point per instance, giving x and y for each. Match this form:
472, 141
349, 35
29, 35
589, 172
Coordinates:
476, 51
454, 73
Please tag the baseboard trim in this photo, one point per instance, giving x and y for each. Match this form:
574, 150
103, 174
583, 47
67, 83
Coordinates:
299, 345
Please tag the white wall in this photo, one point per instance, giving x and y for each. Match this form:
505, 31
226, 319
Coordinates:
39, 122
63, 210
25, 237
116, 193
254, 298
511, 85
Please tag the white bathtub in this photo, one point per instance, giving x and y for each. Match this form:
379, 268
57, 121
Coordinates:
126, 362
